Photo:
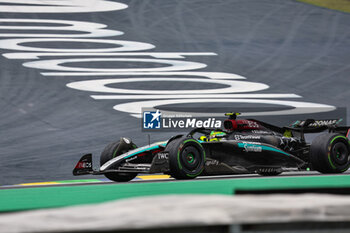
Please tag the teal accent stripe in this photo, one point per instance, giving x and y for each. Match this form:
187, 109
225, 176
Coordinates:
263, 147
274, 149
146, 149
138, 152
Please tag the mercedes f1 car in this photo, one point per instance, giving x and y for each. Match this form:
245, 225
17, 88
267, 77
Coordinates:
243, 146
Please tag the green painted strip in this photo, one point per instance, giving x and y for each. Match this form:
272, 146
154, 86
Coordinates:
58, 196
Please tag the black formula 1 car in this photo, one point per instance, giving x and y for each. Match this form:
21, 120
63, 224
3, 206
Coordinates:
244, 146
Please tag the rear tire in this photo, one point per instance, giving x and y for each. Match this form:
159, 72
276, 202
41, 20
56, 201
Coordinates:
329, 153
186, 158
107, 154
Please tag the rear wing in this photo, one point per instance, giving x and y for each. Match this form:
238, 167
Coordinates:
317, 126
311, 123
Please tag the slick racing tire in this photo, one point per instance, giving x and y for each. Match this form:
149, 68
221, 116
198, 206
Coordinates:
107, 154
186, 158
329, 153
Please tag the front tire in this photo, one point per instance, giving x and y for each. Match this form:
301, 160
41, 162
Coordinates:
186, 158
329, 153
110, 152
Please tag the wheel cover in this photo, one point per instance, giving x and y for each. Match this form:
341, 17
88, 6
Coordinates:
190, 158
340, 153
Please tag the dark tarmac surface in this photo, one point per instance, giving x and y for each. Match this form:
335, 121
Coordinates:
293, 47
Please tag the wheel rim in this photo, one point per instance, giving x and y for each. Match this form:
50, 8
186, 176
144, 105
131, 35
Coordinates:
340, 153
190, 158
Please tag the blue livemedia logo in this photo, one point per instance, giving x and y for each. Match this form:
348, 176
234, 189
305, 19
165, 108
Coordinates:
151, 120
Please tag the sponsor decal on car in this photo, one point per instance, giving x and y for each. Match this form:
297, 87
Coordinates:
250, 147
254, 143
255, 147
211, 162
318, 123
163, 155
83, 164
246, 137
131, 159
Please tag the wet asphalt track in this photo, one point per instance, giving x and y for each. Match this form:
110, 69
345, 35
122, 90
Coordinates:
294, 48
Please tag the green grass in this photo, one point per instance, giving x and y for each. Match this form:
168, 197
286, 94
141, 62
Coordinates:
49, 197
340, 5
